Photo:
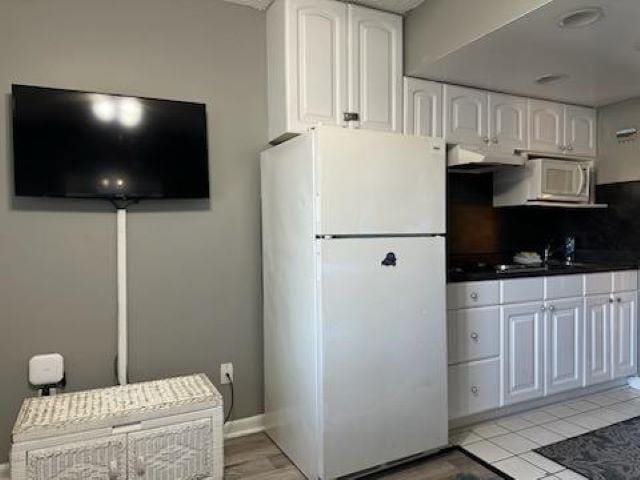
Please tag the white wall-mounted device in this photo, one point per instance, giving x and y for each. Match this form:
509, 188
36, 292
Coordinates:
46, 370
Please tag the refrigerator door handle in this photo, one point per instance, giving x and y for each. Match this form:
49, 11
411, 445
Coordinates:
390, 260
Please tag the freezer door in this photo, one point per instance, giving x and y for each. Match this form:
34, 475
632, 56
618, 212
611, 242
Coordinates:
384, 391
370, 182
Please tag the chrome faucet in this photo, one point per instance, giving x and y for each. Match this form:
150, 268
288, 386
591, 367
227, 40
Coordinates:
569, 248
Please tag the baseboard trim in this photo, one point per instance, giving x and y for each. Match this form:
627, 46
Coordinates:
244, 426
4, 471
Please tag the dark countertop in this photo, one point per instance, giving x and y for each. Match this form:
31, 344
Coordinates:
489, 273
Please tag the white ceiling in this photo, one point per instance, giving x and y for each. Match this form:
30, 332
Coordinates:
397, 6
602, 60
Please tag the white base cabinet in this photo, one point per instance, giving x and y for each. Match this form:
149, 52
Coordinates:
564, 326
164, 430
516, 340
624, 321
522, 366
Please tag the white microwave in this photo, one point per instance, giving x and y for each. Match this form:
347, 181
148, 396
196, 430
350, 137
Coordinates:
544, 180
559, 180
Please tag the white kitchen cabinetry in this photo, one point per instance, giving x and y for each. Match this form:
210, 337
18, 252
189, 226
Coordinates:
564, 326
580, 130
375, 57
522, 362
556, 333
473, 387
597, 339
465, 116
326, 58
508, 121
422, 107
478, 118
558, 128
169, 429
624, 321
546, 126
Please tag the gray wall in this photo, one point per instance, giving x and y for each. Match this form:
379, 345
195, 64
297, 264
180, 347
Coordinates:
194, 266
618, 161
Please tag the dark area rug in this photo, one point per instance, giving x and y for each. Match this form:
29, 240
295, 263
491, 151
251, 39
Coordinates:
609, 453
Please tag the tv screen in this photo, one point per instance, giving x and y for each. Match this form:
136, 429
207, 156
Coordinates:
80, 144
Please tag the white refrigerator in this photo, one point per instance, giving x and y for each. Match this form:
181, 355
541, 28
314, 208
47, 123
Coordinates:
353, 226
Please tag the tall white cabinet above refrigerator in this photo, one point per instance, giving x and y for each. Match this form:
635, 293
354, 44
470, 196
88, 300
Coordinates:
354, 298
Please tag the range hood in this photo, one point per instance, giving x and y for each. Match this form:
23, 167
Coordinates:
480, 160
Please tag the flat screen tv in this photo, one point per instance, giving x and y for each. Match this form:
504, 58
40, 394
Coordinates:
92, 145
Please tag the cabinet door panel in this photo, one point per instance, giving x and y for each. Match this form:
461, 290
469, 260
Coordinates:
318, 63
623, 332
507, 122
102, 459
564, 333
597, 339
465, 116
522, 354
375, 82
174, 452
422, 107
580, 130
546, 126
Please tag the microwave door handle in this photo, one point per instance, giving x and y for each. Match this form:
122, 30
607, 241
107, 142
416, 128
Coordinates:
582, 180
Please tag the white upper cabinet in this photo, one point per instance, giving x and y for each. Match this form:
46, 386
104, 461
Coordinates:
580, 130
422, 107
307, 65
557, 128
465, 116
546, 126
326, 58
482, 119
507, 122
375, 58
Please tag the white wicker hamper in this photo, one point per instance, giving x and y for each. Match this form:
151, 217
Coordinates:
166, 429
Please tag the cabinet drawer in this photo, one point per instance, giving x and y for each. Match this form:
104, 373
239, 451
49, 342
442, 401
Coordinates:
625, 280
474, 387
563, 286
522, 290
473, 334
597, 283
472, 294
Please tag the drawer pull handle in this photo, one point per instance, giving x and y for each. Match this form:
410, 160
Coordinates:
474, 296
141, 468
543, 308
474, 336
611, 300
618, 299
113, 470
474, 390
551, 308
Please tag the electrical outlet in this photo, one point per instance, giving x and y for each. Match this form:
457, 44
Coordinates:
224, 369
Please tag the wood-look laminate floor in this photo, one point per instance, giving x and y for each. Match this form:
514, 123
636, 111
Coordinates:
256, 457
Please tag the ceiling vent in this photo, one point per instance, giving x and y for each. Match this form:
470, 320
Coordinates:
581, 18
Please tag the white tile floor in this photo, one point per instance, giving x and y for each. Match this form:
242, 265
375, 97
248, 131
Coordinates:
507, 443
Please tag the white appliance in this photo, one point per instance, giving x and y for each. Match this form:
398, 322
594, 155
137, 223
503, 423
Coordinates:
544, 180
354, 298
